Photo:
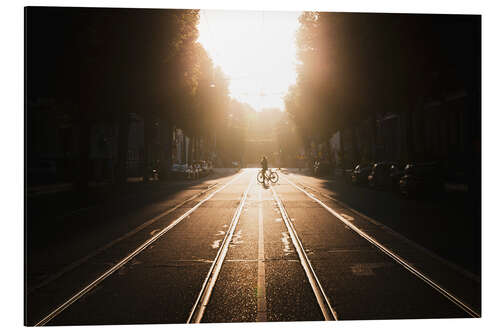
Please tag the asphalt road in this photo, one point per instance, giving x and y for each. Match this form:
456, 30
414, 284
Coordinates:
448, 224
261, 276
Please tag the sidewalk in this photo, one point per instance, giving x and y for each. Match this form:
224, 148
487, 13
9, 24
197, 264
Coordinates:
61, 200
345, 175
52, 188
64, 187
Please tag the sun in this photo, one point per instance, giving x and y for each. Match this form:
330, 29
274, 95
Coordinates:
256, 50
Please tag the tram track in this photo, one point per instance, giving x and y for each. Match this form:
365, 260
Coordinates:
324, 304
92, 285
75, 264
198, 309
394, 233
209, 282
391, 254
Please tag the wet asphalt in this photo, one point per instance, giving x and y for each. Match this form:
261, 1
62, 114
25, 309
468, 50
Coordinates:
261, 278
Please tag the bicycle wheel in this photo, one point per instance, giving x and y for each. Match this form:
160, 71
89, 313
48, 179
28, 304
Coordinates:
260, 177
274, 177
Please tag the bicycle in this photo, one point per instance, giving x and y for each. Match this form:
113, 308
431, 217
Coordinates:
270, 175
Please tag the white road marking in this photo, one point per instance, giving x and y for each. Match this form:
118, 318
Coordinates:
203, 298
261, 270
154, 232
216, 244
286, 244
347, 217
324, 303
368, 269
237, 238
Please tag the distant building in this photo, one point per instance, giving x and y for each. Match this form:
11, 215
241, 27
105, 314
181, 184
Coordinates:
437, 131
51, 145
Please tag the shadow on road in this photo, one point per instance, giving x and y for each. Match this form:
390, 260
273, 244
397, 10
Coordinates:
57, 218
448, 224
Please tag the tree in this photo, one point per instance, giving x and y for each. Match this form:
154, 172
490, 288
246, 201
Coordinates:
110, 63
353, 66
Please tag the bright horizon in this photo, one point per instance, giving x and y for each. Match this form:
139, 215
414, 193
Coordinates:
256, 50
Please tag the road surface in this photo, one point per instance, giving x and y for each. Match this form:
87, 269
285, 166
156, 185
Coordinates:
233, 250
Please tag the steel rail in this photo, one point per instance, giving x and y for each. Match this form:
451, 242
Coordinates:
465, 307
129, 257
203, 298
101, 249
453, 266
326, 308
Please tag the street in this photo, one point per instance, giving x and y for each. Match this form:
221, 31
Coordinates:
229, 249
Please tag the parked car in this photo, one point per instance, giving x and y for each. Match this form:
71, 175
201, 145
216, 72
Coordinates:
322, 168
379, 176
200, 167
360, 173
385, 175
421, 179
153, 172
179, 170
193, 171
205, 167
395, 173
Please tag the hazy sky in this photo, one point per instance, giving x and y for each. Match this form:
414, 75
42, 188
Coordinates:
256, 50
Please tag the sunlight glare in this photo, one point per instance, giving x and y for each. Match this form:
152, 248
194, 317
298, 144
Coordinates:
256, 50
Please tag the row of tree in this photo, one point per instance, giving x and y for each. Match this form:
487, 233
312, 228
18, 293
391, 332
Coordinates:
110, 63
353, 66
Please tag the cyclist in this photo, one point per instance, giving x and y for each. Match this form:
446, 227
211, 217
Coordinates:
263, 163
263, 175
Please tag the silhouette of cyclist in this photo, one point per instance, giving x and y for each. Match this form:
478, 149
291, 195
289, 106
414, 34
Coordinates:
263, 163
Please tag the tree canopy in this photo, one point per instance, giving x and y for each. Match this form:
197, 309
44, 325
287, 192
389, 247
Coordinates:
111, 62
352, 65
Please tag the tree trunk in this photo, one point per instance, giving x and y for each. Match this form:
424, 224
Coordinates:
355, 151
184, 149
307, 151
169, 148
329, 153
200, 153
373, 147
409, 135
121, 162
196, 148
166, 148
146, 168
190, 150
83, 167
342, 151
